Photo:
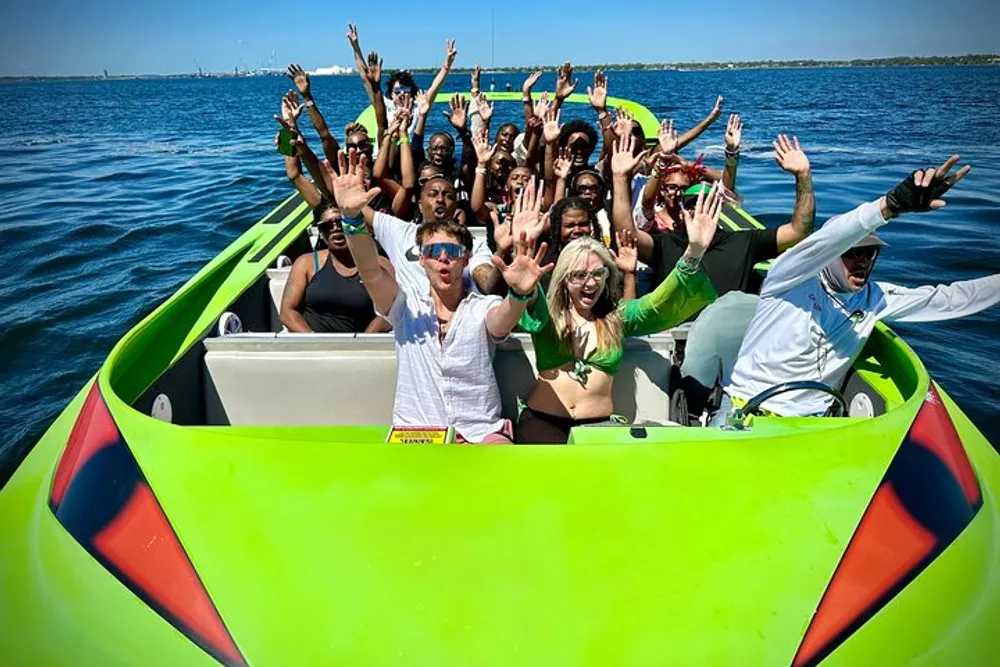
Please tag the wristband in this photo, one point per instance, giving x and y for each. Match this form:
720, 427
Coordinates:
601, 115
401, 140
354, 226
309, 104
688, 266
480, 170
521, 298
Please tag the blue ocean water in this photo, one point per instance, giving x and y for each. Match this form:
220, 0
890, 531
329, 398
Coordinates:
114, 192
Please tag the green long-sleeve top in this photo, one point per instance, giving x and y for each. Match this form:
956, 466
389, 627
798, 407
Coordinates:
677, 298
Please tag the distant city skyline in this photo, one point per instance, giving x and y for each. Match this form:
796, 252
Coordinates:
57, 37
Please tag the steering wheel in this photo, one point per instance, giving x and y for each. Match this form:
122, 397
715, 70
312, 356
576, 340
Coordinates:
753, 405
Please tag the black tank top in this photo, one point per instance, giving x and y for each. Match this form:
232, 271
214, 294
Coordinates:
335, 304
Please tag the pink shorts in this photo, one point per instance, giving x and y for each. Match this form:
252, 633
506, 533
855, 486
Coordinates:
505, 436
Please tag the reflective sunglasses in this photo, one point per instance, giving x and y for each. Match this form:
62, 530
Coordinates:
581, 276
450, 250
854, 254
399, 90
361, 147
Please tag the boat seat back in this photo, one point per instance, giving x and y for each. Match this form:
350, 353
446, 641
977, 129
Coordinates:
350, 379
276, 285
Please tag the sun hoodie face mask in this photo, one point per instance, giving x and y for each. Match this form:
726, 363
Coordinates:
835, 277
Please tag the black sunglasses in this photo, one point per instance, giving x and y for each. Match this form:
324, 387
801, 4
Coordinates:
868, 252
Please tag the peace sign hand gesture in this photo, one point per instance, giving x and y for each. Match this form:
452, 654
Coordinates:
922, 190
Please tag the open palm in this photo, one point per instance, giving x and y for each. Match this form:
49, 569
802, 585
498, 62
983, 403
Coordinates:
703, 221
349, 185
789, 155
525, 268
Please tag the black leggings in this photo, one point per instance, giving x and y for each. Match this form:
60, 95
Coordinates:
541, 428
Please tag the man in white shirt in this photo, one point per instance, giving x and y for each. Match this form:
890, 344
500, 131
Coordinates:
444, 333
398, 239
817, 306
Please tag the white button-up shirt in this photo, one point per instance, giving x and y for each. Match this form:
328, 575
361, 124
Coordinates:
449, 383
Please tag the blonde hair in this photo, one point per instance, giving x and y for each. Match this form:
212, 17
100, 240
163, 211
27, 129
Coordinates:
610, 326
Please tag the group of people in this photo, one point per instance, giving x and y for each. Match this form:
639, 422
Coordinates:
565, 237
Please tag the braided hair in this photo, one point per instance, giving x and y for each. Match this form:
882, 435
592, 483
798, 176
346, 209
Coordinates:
556, 215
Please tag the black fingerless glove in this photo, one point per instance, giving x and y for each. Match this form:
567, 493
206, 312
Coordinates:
908, 196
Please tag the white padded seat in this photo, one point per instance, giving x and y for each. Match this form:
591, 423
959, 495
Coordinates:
350, 379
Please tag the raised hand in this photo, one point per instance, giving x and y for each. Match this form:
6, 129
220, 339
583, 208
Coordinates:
405, 107
789, 155
450, 53
476, 73
527, 215
563, 86
396, 126
484, 152
530, 82
627, 257
703, 221
563, 163
352, 34
525, 268
623, 162
623, 122
300, 78
290, 111
349, 185
375, 70
716, 110
598, 94
667, 137
922, 190
486, 110
459, 114
542, 106
423, 103
552, 127
734, 133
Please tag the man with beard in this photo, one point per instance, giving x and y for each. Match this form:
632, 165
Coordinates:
818, 306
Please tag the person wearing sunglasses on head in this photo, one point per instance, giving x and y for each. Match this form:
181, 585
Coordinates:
444, 333
323, 292
579, 328
818, 305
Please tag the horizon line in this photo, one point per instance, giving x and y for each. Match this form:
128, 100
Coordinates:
980, 58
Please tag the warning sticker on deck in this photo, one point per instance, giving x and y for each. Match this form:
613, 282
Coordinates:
420, 435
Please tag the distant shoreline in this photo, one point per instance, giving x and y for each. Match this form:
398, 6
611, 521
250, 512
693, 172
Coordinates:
907, 61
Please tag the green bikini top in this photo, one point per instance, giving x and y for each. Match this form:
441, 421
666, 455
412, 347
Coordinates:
678, 297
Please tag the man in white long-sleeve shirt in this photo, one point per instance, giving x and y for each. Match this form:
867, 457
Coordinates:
817, 306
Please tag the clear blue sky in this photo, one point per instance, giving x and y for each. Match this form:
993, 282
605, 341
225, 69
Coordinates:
51, 37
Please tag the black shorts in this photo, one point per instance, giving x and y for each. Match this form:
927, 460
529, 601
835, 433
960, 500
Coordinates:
540, 428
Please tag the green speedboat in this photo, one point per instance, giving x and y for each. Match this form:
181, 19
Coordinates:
223, 494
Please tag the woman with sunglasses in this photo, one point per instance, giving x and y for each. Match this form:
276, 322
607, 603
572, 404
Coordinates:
444, 334
324, 293
579, 329
818, 305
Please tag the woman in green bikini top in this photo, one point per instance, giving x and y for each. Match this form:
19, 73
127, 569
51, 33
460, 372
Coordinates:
579, 328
